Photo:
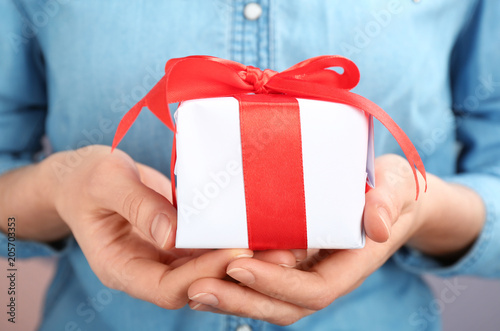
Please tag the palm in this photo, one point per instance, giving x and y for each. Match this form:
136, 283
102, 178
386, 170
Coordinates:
117, 245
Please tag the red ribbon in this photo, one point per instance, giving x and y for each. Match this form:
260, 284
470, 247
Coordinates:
273, 175
196, 77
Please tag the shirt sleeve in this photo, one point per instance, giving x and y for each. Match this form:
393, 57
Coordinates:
23, 103
475, 82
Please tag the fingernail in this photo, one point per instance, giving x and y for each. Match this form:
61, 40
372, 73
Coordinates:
205, 298
242, 275
386, 220
196, 306
240, 256
160, 229
202, 307
286, 265
300, 254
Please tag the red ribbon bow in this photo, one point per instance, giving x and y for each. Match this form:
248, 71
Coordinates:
197, 77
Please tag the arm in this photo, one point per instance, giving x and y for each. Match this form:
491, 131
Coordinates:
330, 274
29, 186
453, 224
117, 210
475, 83
446, 220
23, 108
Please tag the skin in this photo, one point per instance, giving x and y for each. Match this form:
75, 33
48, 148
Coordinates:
109, 203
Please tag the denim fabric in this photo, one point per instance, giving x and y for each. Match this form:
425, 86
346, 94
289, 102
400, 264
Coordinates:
70, 69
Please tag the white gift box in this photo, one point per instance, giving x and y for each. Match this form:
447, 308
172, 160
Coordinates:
337, 154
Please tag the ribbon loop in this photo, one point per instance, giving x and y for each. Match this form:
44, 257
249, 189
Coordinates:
317, 70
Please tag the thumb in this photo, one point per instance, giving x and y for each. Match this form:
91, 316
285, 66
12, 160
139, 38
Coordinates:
123, 192
379, 215
394, 195
150, 212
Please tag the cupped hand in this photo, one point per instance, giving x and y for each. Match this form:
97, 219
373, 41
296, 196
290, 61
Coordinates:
120, 213
282, 295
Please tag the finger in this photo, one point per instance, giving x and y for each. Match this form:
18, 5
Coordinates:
281, 257
166, 287
284, 258
116, 186
328, 275
302, 288
218, 296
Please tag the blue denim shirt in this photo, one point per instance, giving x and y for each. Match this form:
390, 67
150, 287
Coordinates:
70, 69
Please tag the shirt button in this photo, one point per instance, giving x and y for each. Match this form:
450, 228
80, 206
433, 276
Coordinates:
244, 327
252, 11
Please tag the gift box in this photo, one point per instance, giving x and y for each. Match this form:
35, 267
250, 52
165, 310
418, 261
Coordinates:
305, 174
268, 160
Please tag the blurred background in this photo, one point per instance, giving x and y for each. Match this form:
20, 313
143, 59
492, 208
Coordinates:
468, 304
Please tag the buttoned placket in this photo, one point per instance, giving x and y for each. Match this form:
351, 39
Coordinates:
250, 36
250, 45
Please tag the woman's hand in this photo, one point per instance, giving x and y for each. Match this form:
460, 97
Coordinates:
120, 214
392, 218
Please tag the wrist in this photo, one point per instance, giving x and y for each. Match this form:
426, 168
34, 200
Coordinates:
50, 226
47, 184
450, 218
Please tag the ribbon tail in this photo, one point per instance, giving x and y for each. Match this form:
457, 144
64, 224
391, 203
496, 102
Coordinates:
156, 102
404, 142
325, 92
126, 122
